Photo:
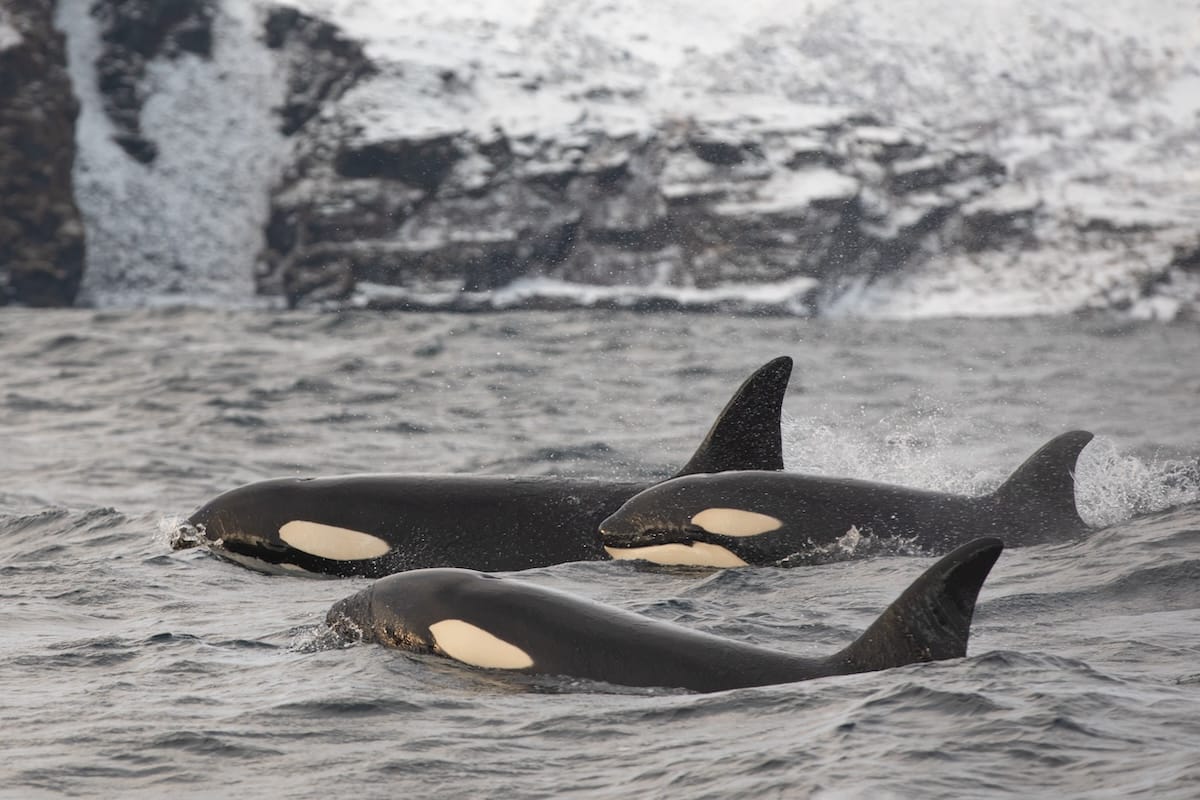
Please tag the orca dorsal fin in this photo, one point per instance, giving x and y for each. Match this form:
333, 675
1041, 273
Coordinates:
931, 620
1044, 486
746, 434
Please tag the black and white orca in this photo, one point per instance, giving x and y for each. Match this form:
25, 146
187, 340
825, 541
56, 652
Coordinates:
374, 525
501, 623
769, 518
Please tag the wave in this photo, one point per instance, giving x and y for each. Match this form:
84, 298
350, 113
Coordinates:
967, 290
792, 297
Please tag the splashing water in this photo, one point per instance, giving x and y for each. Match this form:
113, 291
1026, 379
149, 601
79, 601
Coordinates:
852, 544
909, 451
178, 534
317, 638
1111, 488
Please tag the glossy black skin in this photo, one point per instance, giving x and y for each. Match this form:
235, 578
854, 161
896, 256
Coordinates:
1036, 504
475, 522
567, 635
500, 523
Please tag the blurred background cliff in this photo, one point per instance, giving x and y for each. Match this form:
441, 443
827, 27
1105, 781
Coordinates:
868, 157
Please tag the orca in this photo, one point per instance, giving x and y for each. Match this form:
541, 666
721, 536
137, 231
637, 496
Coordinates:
740, 518
375, 525
501, 623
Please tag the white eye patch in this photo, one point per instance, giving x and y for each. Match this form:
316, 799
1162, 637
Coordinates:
735, 522
332, 542
473, 645
696, 554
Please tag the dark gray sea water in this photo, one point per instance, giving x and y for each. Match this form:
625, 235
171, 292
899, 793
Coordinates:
131, 670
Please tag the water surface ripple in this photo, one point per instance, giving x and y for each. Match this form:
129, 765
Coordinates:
132, 670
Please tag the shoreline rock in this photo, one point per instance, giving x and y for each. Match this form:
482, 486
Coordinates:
42, 240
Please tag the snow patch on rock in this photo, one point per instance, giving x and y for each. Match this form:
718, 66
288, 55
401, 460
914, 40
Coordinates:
185, 228
9, 36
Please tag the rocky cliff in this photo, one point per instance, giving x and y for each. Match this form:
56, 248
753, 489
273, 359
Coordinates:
41, 234
571, 157
802, 201
855, 157
135, 33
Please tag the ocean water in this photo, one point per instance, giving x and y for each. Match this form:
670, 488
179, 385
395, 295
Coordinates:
131, 670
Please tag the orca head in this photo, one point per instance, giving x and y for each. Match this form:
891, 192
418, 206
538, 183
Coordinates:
439, 610
387, 612
700, 520
397, 610
276, 526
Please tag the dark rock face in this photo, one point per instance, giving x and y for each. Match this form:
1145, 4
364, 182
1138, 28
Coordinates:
449, 214
699, 203
41, 234
322, 63
134, 33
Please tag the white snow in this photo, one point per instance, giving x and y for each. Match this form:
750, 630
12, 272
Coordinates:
794, 192
186, 228
9, 36
1093, 107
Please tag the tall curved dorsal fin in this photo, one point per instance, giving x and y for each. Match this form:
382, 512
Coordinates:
746, 434
1044, 486
931, 620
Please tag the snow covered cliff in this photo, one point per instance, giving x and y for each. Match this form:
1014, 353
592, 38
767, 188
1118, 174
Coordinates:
901, 158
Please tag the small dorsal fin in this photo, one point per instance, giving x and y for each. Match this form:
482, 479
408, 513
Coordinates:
931, 620
746, 434
1044, 486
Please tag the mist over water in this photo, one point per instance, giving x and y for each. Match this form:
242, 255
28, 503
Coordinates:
133, 670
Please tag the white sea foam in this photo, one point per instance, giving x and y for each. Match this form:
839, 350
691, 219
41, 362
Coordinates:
318, 638
791, 296
911, 450
173, 531
1111, 487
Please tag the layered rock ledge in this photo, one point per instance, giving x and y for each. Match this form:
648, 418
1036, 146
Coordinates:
455, 170
847, 158
806, 199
